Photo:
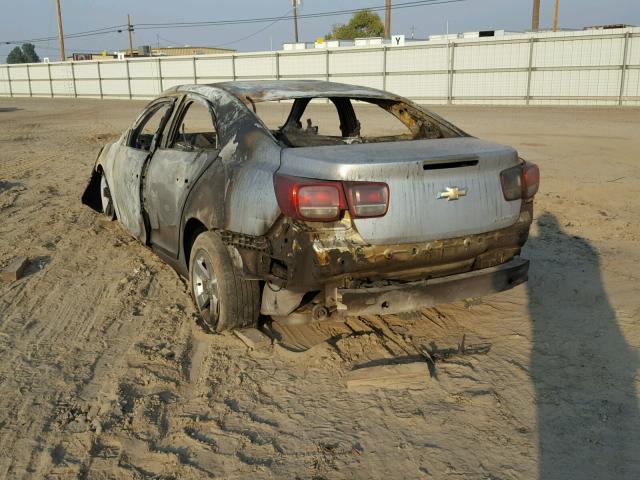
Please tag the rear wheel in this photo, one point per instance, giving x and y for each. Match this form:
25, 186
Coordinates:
224, 299
105, 198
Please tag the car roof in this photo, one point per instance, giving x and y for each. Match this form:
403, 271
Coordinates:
272, 90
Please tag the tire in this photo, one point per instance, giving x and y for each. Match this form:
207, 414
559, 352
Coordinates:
105, 197
224, 299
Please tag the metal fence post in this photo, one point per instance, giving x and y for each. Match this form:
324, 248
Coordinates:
277, 65
9, 80
233, 67
128, 78
100, 80
50, 79
73, 78
623, 73
29, 81
160, 73
451, 48
529, 72
384, 67
326, 64
195, 75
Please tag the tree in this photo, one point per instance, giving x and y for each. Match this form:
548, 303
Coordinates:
25, 54
30, 54
16, 56
363, 23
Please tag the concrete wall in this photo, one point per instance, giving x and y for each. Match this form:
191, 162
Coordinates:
565, 68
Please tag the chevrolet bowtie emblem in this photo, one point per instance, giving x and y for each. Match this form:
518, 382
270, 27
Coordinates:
452, 193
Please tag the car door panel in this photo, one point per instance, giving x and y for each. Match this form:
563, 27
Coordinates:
168, 180
126, 170
174, 168
129, 160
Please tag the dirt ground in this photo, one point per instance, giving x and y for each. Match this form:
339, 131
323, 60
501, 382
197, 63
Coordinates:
105, 374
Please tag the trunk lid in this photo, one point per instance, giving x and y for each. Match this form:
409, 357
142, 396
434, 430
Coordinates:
423, 176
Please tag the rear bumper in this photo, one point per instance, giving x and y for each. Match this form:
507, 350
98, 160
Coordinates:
425, 293
312, 258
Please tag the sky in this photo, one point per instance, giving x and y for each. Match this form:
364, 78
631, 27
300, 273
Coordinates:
37, 18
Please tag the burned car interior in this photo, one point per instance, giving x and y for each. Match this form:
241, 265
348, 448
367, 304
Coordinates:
308, 124
195, 129
145, 131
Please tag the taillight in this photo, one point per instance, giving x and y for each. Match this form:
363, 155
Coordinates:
325, 201
367, 199
521, 181
530, 179
308, 199
511, 180
319, 202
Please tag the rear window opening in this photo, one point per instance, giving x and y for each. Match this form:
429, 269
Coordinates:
312, 121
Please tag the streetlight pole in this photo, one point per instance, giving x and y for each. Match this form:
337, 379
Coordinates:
295, 19
387, 20
535, 18
130, 29
60, 32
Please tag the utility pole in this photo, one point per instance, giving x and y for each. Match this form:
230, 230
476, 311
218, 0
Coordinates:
130, 29
535, 18
60, 32
295, 19
387, 21
555, 17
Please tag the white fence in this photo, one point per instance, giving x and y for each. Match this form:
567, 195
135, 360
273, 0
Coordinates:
569, 68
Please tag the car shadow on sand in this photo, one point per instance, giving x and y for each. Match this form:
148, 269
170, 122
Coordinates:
583, 370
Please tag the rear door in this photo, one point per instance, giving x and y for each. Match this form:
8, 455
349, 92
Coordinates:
190, 146
129, 161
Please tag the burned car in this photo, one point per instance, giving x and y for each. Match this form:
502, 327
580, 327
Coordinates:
309, 200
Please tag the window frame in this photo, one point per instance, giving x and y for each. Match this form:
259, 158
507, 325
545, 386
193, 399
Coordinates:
419, 116
183, 108
147, 115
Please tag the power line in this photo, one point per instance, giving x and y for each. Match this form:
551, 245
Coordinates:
88, 33
168, 41
254, 33
397, 6
287, 17
271, 20
238, 39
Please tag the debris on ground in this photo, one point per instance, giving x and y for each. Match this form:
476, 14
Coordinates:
253, 338
433, 353
15, 270
403, 375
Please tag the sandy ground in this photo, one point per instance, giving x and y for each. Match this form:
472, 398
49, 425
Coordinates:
105, 374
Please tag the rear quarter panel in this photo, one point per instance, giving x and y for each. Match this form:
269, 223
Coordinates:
236, 192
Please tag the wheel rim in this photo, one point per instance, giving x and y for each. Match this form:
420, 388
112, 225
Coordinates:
105, 196
205, 287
